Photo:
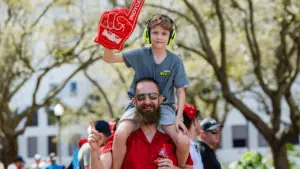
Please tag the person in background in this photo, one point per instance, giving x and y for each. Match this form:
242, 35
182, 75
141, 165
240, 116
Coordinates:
17, 164
75, 161
209, 142
191, 119
38, 163
113, 125
53, 164
84, 153
1, 165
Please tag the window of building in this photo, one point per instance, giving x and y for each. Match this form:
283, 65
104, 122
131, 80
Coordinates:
239, 136
73, 144
34, 121
52, 144
262, 141
74, 89
31, 146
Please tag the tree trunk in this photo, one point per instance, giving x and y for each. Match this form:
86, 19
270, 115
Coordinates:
10, 150
280, 157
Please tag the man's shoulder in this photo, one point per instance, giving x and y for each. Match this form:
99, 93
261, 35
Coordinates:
203, 147
85, 147
12, 166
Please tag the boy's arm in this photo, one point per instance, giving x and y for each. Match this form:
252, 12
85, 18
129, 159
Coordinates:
111, 57
180, 94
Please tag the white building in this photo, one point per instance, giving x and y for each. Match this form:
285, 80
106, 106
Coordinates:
39, 137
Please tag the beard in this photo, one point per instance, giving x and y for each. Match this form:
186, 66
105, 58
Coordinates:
147, 114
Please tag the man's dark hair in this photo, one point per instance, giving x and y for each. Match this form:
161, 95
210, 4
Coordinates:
146, 79
188, 122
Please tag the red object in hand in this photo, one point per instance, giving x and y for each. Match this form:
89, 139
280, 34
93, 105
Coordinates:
115, 26
162, 154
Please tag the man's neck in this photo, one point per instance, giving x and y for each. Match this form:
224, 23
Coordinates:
210, 146
149, 131
192, 135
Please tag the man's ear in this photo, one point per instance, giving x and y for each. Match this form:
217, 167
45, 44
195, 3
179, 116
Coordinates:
202, 132
160, 99
194, 122
134, 101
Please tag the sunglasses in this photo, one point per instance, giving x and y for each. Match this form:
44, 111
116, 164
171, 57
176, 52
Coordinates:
143, 96
213, 131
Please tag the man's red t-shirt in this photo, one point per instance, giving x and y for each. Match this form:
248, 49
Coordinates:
141, 154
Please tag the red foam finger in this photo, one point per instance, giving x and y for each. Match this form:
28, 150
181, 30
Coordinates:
104, 19
117, 24
135, 10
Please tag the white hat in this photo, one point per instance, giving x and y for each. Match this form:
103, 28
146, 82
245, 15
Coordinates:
37, 157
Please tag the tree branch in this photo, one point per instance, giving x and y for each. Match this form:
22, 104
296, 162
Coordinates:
249, 114
256, 62
222, 28
175, 12
294, 110
182, 45
110, 107
121, 77
42, 14
206, 41
53, 92
18, 86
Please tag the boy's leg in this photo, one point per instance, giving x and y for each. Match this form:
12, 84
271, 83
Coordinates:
181, 141
123, 131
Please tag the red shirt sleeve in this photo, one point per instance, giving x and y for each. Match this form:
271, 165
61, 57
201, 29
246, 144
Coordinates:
108, 146
189, 160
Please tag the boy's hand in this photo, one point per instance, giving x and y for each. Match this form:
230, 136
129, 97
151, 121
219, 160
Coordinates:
180, 126
95, 138
115, 26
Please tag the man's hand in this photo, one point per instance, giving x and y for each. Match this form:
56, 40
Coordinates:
180, 126
165, 163
115, 26
95, 138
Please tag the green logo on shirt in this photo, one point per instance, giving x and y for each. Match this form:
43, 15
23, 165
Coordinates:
165, 73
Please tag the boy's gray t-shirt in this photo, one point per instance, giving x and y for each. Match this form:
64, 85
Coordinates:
170, 74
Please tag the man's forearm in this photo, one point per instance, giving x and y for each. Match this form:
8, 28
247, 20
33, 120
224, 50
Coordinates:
95, 162
186, 167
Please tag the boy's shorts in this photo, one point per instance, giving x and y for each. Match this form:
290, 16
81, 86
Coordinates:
167, 115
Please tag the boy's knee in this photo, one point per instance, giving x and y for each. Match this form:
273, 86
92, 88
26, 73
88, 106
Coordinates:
124, 129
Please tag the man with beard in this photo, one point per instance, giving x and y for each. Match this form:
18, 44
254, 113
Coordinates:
146, 142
